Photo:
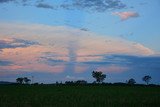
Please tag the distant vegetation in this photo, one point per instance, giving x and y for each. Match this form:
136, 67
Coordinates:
76, 82
97, 75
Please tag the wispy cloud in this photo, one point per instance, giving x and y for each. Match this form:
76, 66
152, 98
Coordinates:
5, 1
95, 5
126, 15
46, 6
53, 62
19, 2
15, 43
88, 5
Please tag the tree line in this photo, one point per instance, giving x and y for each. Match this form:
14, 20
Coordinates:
100, 77
97, 75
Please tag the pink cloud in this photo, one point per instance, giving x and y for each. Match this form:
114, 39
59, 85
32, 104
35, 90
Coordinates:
27, 59
58, 47
126, 15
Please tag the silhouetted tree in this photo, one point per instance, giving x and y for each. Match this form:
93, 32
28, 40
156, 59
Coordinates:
131, 81
19, 80
23, 80
99, 76
57, 82
26, 80
147, 79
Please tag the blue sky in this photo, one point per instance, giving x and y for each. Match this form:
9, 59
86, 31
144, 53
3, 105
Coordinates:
75, 37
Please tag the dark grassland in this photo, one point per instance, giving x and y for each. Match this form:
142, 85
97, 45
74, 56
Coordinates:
79, 96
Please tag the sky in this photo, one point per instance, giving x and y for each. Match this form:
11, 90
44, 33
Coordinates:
65, 40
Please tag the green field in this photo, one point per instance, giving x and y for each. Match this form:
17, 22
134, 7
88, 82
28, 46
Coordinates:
78, 96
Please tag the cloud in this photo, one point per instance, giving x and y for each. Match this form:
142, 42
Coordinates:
5, 63
42, 5
15, 43
94, 5
69, 41
73, 78
53, 62
21, 2
9, 74
134, 62
119, 59
84, 29
88, 5
73, 49
113, 68
126, 15
124, 63
5, 1
141, 62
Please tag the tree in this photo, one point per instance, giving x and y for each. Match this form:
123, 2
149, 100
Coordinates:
147, 79
99, 76
131, 81
23, 80
26, 80
19, 80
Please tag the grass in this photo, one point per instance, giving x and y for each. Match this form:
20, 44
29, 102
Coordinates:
78, 96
